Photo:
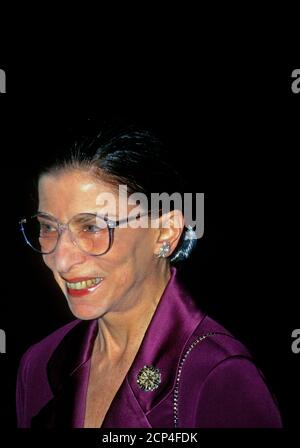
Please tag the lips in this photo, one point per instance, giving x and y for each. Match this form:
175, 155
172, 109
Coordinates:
79, 287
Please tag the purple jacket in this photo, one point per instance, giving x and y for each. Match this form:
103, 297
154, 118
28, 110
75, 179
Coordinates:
207, 378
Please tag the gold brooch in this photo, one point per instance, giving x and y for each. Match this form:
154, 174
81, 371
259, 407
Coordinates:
149, 378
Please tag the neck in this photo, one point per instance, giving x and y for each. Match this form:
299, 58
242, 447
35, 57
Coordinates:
121, 332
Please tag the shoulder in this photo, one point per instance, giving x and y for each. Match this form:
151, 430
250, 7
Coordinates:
228, 389
41, 352
215, 343
32, 388
208, 346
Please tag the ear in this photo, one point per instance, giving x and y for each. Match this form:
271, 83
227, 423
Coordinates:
171, 226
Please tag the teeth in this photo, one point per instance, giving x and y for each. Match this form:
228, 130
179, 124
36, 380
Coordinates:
85, 284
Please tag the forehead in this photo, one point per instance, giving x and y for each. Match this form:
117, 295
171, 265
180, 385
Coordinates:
66, 193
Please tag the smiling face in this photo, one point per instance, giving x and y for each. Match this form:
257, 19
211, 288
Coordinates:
96, 285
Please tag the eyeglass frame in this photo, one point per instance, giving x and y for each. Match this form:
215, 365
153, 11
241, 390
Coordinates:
111, 225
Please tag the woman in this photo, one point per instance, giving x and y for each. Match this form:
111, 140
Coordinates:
140, 352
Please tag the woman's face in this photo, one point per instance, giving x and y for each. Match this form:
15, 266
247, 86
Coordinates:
113, 279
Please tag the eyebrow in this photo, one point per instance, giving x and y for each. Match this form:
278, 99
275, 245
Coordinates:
46, 215
83, 215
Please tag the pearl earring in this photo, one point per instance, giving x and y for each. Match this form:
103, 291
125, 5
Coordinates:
164, 250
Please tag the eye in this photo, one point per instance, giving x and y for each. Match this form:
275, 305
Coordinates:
47, 228
91, 228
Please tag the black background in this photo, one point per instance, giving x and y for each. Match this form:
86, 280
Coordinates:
233, 121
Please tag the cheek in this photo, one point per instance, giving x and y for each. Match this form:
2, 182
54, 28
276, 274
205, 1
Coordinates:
48, 260
130, 259
132, 245
143, 250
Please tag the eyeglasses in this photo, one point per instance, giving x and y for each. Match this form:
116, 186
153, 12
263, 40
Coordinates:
91, 233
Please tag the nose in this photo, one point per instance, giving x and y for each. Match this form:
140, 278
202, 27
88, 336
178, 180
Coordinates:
67, 254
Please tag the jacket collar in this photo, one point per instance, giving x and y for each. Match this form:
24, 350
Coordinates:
172, 324
68, 373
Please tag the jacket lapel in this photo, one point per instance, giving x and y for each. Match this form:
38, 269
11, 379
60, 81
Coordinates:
68, 373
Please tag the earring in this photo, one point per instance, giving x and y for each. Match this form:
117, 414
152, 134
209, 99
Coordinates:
164, 250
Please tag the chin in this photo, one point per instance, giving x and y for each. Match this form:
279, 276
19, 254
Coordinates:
85, 312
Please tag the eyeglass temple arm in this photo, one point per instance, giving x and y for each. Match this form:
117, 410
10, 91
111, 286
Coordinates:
23, 221
128, 219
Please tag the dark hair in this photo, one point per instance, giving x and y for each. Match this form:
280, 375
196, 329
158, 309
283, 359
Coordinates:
132, 156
